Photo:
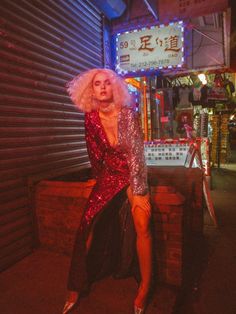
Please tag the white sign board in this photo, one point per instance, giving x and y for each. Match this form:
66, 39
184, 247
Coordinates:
149, 49
166, 154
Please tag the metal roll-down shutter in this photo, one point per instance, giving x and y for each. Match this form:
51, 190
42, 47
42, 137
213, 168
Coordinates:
43, 45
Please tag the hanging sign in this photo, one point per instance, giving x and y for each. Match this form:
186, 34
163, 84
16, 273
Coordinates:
149, 49
170, 10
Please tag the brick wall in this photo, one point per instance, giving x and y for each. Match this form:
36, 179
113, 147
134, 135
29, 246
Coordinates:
59, 207
168, 212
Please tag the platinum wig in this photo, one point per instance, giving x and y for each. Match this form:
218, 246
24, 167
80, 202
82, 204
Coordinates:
80, 90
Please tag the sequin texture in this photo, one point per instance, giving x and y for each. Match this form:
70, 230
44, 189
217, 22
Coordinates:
114, 167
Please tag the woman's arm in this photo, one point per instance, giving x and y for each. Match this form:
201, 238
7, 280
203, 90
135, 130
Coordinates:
138, 189
135, 158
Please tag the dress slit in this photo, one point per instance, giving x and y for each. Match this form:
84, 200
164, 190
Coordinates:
112, 250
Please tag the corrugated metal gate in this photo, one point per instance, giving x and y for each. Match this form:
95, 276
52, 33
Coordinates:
43, 44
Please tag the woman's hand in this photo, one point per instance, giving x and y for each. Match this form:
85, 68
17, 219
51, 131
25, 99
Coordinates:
141, 201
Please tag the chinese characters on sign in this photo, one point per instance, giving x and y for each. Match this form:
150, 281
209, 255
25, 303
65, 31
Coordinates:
150, 48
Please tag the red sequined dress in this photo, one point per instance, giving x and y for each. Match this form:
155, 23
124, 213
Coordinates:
107, 213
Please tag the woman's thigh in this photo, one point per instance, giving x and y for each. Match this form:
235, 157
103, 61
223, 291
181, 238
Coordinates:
140, 217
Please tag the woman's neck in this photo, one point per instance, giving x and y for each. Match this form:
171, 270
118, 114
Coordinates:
108, 111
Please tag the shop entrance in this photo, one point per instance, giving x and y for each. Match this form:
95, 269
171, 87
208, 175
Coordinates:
184, 106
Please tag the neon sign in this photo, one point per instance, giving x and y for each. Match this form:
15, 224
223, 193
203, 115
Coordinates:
150, 49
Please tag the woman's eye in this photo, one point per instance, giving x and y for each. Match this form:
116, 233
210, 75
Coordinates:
98, 83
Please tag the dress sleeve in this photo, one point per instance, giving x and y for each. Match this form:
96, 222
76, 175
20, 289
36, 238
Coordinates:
94, 149
136, 159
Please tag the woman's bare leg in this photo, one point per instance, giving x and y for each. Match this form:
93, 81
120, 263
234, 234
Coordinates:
144, 251
72, 296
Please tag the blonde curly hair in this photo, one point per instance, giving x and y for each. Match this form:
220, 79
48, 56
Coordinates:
80, 90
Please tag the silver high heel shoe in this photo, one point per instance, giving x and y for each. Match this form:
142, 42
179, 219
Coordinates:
69, 306
138, 310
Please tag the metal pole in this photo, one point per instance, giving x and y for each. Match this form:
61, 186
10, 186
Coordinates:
145, 110
219, 141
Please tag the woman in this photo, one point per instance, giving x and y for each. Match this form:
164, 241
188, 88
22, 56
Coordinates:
115, 148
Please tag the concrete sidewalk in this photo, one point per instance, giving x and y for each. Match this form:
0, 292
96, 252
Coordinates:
214, 284
36, 285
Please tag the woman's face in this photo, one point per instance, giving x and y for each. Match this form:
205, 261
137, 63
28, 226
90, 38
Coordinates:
102, 88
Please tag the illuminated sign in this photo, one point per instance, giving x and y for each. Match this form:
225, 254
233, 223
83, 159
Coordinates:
133, 82
148, 49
